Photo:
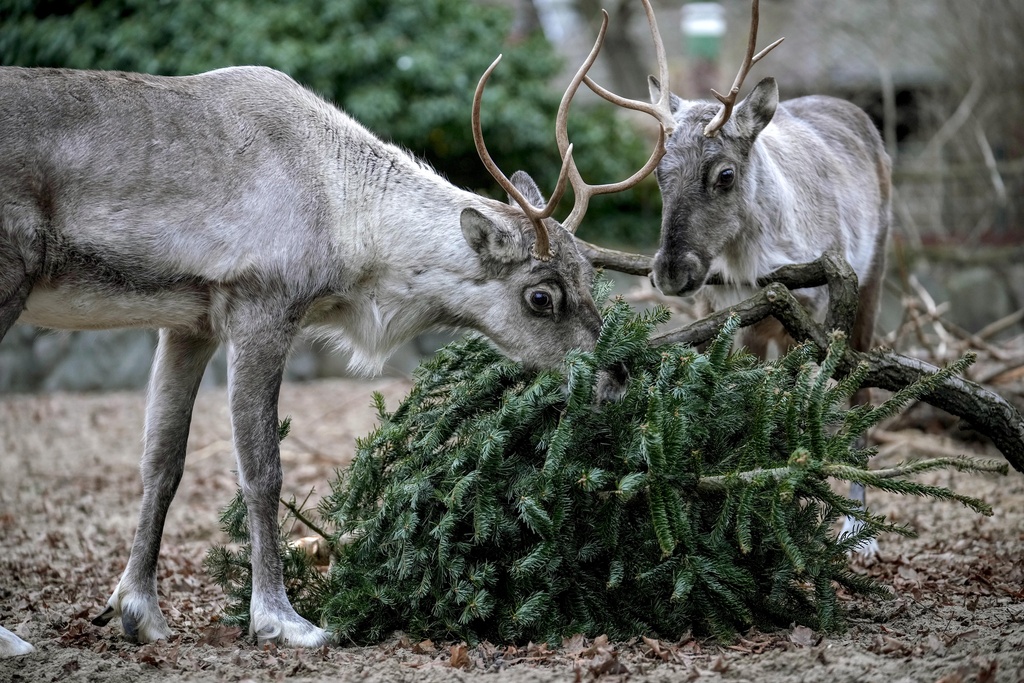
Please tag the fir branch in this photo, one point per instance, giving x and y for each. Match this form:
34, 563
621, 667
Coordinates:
960, 464
300, 515
724, 483
284, 427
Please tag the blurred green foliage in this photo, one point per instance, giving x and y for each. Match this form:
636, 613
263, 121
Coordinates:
404, 68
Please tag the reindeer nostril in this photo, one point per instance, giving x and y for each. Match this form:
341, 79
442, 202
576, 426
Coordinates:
678, 275
661, 273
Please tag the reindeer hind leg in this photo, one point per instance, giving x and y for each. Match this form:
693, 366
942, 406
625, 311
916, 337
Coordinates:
177, 371
18, 272
17, 275
861, 339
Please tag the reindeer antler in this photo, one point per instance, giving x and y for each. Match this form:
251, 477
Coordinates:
729, 101
661, 110
542, 246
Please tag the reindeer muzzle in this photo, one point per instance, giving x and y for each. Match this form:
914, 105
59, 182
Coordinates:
678, 275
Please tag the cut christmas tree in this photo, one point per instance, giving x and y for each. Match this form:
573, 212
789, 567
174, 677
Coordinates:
495, 503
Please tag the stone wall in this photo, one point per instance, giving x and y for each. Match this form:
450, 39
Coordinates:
980, 287
41, 360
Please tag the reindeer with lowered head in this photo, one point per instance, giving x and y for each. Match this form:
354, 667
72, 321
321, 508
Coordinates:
236, 207
750, 187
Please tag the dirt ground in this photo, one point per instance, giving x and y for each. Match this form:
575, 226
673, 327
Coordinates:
69, 491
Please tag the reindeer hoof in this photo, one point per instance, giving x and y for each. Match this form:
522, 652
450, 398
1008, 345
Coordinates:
140, 617
288, 631
13, 646
866, 550
104, 617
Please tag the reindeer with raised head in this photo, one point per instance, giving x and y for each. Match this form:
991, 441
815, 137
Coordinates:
750, 187
236, 207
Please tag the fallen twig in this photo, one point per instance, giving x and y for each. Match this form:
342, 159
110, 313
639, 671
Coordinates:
302, 518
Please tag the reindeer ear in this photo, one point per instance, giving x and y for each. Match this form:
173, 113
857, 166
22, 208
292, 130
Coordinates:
654, 86
757, 109
524, 183
493, 241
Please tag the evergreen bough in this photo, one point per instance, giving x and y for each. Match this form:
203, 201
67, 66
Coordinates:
496, 503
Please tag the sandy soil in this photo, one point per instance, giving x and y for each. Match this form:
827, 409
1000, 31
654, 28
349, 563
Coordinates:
69, 491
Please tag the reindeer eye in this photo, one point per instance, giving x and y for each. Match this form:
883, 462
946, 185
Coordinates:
540, 300
725, 179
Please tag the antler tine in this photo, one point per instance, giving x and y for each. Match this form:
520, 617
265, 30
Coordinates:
562, 129
542, 246
569, 173
729, 101
660, 110
562, 117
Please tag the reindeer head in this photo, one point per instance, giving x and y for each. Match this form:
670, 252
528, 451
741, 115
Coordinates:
705, 177
534, 310
552, 280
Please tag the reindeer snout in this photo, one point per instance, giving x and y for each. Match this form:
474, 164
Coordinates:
612, 383
678, 275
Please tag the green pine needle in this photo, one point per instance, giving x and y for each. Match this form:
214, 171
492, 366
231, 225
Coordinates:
499, 504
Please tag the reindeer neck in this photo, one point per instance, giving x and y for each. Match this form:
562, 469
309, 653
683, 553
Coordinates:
387, 207
774, 228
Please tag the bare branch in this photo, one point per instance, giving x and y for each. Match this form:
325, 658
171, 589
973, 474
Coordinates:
985, 410
621, 261
957, 120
